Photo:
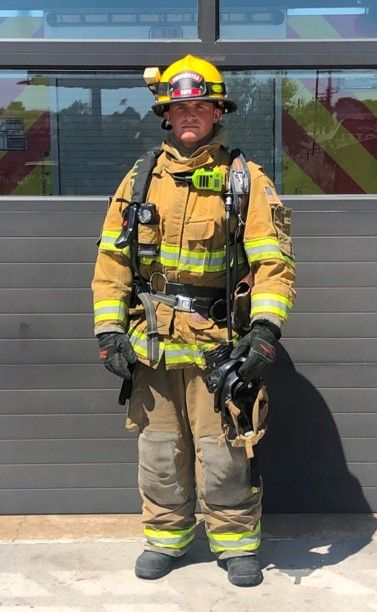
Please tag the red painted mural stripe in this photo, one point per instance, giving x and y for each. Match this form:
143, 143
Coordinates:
10, 90
13, 168
290, 32
352, 113
352, 26
293, 139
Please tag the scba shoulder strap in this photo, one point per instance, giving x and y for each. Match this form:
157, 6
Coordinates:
140, 179
142, 174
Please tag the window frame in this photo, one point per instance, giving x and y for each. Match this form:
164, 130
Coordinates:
237, 54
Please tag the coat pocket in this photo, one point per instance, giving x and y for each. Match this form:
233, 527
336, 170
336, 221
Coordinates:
198, 232
148, 234
148, 242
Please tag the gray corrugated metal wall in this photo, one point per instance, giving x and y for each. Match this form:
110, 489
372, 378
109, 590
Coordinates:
62, 444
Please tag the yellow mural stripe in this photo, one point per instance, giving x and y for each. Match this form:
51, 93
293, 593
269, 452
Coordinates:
305, 25
361, 166
32, 183
20, 27
295, 180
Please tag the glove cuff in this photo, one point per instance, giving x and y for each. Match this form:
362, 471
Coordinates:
274, 329
100, 330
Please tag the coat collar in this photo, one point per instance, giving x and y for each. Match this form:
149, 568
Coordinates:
205, 155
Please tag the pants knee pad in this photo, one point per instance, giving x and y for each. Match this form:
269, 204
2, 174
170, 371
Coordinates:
164, 475
226, 474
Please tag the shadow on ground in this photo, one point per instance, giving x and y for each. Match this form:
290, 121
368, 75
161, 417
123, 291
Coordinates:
304, 472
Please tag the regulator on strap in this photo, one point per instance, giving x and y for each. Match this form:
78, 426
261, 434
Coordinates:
243, 406
236, 203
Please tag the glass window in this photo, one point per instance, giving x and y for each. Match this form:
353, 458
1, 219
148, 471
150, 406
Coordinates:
288, 19
106, 19
314, 132
67, 134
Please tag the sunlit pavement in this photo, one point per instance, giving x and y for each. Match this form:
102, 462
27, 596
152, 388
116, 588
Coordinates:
310, 562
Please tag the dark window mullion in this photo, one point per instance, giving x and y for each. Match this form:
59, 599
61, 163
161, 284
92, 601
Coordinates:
208, 20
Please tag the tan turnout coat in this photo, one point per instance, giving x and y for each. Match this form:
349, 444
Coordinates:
190, 234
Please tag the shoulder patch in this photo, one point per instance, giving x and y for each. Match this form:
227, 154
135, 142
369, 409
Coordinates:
271, 195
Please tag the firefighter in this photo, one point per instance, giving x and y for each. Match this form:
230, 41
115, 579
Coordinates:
159, 300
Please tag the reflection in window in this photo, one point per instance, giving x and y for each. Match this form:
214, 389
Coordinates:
329, 133
104, 19
314, 132
72, 134
316, 19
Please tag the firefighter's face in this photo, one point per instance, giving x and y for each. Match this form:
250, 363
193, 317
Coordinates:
192, 120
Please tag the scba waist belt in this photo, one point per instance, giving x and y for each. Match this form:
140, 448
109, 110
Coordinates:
208, 301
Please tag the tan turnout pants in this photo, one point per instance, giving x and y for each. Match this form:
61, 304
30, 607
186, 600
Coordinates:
182, 460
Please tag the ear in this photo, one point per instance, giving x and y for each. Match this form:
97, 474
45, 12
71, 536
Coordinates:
217, 115
166, 116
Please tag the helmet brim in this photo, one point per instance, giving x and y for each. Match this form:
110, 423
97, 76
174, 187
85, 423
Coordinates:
227, 106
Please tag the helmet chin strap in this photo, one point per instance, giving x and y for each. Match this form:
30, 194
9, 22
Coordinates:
165, 125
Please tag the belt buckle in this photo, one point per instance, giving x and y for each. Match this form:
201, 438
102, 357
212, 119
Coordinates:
184, 303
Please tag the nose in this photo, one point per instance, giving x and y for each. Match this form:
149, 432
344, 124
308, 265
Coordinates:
190, 111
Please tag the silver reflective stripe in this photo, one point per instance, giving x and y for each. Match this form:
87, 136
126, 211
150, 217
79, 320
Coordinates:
276, 303
248, 540
110, 309
176, 538
258, 252
169, 541
109, 239
240, 544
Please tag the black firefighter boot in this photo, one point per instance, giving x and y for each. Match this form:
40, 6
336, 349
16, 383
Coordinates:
244, 571
151, 565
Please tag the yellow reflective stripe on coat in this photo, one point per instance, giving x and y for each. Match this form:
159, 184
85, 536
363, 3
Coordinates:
289, 261
176, 538
265, 248
270, 303
246, 540
172, 256
175, 353
110, 310
187, 353
107, 243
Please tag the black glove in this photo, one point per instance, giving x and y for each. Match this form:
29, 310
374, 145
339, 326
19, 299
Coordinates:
116, 353
259, 347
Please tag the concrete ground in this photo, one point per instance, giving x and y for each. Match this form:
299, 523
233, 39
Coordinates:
85, 562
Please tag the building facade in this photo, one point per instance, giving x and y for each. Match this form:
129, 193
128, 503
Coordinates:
74, 115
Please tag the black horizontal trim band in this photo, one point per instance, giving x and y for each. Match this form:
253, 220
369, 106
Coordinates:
128, 54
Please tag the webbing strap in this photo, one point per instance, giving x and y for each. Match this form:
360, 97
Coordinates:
250, 438
152, 333
142, 174
140, 179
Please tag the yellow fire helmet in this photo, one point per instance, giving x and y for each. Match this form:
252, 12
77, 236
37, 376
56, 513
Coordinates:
189, 78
